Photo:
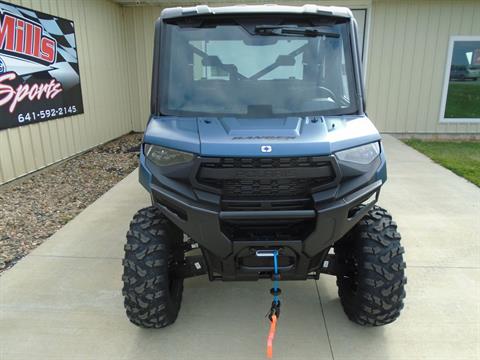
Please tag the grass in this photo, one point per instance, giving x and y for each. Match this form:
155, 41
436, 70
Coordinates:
463, 100
461, 157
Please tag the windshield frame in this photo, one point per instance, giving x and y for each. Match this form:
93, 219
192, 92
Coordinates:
162, 54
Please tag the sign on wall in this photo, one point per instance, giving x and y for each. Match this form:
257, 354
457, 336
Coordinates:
39, 74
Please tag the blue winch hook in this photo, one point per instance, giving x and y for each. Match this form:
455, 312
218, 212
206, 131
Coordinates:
276, 289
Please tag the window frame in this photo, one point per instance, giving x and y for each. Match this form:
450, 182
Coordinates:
446, 80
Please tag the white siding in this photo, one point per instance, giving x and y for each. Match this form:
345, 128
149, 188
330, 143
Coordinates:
100, 35
407, 59
140, 22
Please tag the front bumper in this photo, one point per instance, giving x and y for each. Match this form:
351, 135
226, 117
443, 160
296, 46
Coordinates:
223, 255
336, 211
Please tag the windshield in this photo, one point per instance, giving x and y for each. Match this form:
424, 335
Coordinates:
261, 70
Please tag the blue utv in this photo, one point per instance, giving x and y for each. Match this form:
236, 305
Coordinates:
259, 156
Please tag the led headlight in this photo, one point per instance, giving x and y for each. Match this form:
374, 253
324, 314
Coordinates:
162, 156
364, 154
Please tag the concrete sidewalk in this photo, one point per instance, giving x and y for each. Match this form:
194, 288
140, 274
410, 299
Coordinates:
63, 301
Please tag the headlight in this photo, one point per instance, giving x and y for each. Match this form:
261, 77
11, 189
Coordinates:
162, 156
364, 154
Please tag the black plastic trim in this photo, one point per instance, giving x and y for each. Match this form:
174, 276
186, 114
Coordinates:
334, 173
258, 173
267, 215
223, 255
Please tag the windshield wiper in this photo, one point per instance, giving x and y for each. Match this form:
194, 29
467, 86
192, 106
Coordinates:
269, 30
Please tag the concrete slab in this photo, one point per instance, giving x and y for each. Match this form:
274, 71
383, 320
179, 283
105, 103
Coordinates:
63, 301
437, 211
67, 307
440, 319
100, 231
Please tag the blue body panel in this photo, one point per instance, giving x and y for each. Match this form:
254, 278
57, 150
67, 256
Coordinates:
144, 175
173, 132
293, 136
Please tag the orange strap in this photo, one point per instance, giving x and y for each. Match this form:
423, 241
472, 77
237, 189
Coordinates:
271, 336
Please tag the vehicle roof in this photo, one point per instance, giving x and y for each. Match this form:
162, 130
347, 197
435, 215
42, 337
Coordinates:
308, 9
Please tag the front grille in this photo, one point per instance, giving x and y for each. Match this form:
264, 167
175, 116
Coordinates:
278, 162
265, 179
266, 187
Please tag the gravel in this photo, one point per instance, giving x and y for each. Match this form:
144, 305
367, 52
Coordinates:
36, 206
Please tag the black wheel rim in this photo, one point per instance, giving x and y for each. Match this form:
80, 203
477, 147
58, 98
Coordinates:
351, 274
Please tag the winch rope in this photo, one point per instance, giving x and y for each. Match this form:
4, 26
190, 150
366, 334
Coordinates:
275, 308
271, 336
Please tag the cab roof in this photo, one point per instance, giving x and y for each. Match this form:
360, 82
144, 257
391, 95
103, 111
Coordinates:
178, 12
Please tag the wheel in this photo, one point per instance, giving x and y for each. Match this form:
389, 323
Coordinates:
152, 295
371, 275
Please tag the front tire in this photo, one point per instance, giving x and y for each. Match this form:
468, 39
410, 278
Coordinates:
152, 296
371, 274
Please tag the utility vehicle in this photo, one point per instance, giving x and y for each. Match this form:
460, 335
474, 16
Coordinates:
258, 145
465, 72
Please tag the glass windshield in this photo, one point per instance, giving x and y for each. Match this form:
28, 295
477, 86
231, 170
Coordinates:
257, 70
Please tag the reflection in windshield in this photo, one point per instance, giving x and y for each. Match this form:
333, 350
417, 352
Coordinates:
248, 66
225, 70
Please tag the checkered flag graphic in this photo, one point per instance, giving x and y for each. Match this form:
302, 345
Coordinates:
65, 69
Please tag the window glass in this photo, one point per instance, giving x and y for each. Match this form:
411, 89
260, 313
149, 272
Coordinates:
249, 62
463, 89
232, 70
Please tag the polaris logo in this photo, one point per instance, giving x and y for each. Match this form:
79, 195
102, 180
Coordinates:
266, 148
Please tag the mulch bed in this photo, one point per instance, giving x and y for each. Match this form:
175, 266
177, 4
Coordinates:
36, 206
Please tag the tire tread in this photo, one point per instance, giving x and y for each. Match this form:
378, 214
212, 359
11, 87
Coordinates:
375, 244
148, 299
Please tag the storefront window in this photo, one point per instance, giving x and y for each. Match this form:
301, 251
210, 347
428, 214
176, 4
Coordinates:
461, 97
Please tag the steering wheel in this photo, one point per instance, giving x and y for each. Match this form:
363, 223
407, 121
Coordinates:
329, 92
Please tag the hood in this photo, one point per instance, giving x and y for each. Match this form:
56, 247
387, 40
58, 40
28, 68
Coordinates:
292, 136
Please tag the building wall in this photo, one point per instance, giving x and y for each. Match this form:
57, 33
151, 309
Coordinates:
406, 55
100, 35
140, 22
407, 58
